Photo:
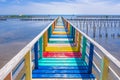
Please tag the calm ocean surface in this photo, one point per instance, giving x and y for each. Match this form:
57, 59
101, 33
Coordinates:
15, 34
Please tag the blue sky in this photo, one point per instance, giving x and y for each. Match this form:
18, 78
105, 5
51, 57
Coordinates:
60, 7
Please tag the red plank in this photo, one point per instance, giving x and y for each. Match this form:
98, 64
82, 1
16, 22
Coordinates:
62, 54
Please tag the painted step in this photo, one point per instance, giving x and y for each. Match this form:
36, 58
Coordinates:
77, 63
70, 42
57, 29
60, 60
59, 71
63, 67
62, 49
83, 76
59, 33
60, 26
63, 44
60, 39
60, 23
62, 54
61, 36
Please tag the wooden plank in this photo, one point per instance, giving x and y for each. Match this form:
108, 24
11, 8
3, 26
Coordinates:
28, 71
45, 40
15, 60
60, 33
36, 54
41, 47
60, 79
105, 69
79, 40
84, 44
103, 50
90, 64
9, 76
62, 48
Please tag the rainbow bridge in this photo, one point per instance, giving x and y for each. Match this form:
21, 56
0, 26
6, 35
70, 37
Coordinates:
62, 52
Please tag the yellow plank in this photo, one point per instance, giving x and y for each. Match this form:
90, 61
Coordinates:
79, 40
60, 32
53, 26
59, 27
28, 67
105, 69
68, 27
45, 40
59, 48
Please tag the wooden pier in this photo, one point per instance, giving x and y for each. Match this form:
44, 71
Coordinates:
62, 52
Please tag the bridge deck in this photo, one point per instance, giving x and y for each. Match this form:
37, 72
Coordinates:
62, 57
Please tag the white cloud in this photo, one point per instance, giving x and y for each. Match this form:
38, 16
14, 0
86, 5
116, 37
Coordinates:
68, 7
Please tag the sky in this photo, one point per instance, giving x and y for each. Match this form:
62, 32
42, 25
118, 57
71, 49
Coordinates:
84, 7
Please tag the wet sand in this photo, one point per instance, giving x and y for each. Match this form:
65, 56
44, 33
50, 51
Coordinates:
14, 35
8, 51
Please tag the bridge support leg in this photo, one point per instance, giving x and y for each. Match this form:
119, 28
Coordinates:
36, 54
84, 44
28, 67
105, 64
90, 58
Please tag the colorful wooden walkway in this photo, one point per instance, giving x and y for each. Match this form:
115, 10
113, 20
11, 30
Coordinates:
62, 52
62, 56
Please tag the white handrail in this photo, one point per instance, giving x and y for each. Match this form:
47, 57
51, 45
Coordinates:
15, 60
105, 52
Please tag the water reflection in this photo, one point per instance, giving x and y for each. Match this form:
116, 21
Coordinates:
15, 34
105, 32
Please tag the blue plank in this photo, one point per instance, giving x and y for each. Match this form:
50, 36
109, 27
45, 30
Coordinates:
63, 67
83, 76
62, 71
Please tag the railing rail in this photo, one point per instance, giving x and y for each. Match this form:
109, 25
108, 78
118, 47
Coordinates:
7, 69
106, 53
107, 57
25, 53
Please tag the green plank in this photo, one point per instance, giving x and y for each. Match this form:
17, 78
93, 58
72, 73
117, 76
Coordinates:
60, 59
84, 44
62, 64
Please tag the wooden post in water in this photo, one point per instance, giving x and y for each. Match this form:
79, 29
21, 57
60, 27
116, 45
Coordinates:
9, 76
28, 71
84, 44
105, 65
